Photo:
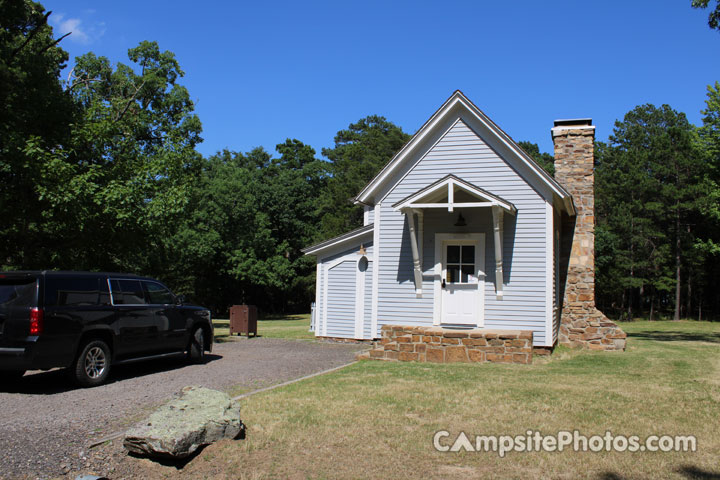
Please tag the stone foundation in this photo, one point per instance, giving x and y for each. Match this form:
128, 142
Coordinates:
543, 351
442, 345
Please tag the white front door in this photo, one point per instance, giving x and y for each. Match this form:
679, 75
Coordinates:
461, 282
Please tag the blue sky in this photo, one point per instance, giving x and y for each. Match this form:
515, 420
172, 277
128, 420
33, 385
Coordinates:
261, 72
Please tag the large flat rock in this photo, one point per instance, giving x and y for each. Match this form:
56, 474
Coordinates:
197, 417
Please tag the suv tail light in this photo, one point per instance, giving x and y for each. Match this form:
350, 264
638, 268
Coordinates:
36, 321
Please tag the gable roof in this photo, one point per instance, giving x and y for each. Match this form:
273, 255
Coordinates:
459, 99
451, 181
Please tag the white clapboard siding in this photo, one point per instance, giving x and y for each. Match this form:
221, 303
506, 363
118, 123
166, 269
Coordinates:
323, 262
461, 152
341, 299
342, 270
370, 215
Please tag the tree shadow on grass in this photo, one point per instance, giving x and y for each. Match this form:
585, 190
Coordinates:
610, 476
686, 471
675, 336
691, 471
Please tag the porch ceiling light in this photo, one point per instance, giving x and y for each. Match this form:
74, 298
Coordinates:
460, 221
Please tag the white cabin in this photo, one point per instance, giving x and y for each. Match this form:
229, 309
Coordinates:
462, 229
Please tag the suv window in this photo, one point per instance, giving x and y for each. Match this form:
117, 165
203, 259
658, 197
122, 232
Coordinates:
73, 291
18, 293
157, 294
127, 292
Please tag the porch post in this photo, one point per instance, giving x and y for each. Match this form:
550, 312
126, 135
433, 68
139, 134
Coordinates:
498, 231
420, 234
417, 266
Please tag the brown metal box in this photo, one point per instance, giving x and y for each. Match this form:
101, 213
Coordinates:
243, 320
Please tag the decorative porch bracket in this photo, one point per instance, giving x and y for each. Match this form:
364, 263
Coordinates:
497, 214
417, 262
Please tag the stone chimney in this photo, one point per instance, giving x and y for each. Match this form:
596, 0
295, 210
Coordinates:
581, 323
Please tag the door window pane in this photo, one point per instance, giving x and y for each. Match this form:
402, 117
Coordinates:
460, 263
157, 294
453, 273
468, 254
467, 270
453, 254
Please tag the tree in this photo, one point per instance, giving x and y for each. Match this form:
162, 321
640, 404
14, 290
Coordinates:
710, 131
360, 152
631, 249
649, 184
35, 119
713, 16
121, 182
544, 159
708, 242
251, 215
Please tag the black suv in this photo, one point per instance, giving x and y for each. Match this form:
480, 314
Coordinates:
87, 321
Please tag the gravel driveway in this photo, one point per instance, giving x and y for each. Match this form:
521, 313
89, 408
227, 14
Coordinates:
46, 424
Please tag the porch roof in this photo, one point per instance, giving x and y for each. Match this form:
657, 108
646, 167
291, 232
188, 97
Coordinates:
451, 192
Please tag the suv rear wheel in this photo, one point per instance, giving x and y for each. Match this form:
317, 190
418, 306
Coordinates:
92, 366
196, 349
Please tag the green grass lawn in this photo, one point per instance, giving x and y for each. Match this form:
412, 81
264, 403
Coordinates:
281, 326
377, 419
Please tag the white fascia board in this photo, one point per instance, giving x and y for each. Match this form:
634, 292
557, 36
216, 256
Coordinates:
336, 242
569, 205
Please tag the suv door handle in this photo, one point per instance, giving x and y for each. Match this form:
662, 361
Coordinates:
443, 283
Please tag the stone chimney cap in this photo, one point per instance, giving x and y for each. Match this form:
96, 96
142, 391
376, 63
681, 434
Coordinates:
574, 122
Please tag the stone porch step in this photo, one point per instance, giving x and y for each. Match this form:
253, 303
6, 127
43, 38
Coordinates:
445, 345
